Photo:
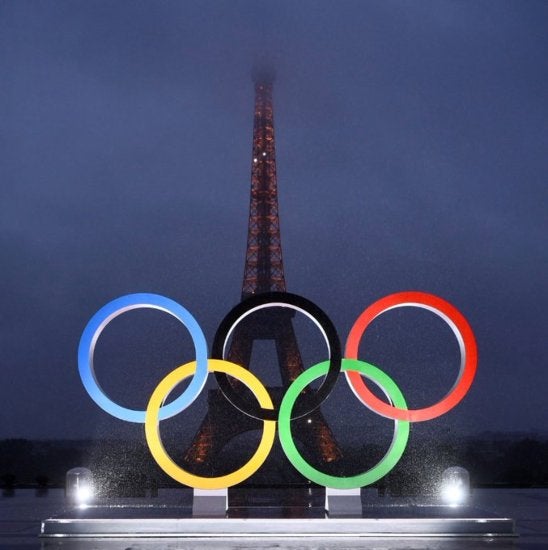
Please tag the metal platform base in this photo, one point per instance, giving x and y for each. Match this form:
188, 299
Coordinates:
132, 524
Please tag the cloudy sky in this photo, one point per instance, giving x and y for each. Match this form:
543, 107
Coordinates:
411, 149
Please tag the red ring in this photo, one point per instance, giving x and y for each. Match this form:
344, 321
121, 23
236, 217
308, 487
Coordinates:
462, 331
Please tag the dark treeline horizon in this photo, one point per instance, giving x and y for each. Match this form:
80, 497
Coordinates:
126, 468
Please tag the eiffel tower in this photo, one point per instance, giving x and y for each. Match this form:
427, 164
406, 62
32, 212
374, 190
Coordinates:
263, 272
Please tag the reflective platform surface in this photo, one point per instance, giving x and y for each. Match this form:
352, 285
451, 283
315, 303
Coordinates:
21, 516
375, 517
193, 528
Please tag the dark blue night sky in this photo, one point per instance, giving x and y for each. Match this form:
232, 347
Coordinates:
411, 150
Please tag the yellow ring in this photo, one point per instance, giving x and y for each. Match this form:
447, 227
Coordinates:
152, 426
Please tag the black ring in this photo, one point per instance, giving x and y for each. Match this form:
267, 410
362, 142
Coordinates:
293, 301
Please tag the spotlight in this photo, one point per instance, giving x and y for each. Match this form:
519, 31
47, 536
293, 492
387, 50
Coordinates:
455, 486
79, 486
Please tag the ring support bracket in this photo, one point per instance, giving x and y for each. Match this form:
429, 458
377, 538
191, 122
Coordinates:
209, 503
343, 503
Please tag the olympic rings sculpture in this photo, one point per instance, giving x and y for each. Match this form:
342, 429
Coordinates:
355, 370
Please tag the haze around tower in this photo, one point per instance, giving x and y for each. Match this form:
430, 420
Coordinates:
410, 152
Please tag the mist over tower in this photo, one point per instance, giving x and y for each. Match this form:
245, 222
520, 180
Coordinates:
263, 273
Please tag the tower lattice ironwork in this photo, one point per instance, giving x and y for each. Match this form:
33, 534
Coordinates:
263, 272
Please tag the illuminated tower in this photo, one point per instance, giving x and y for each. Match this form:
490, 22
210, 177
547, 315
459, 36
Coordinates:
263, 272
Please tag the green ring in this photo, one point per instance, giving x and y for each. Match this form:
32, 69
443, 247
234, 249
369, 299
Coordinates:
390, 459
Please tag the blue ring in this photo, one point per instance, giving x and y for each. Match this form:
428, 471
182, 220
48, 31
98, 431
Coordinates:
101, 319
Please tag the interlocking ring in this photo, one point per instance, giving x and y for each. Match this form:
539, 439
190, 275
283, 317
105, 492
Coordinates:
283, 300
102, 318
465, 339
353, 368
152, 428
390, 459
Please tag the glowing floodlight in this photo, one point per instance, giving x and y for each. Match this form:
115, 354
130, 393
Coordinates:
455, 486
79, 486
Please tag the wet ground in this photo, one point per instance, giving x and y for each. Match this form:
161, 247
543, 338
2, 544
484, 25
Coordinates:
22, 513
